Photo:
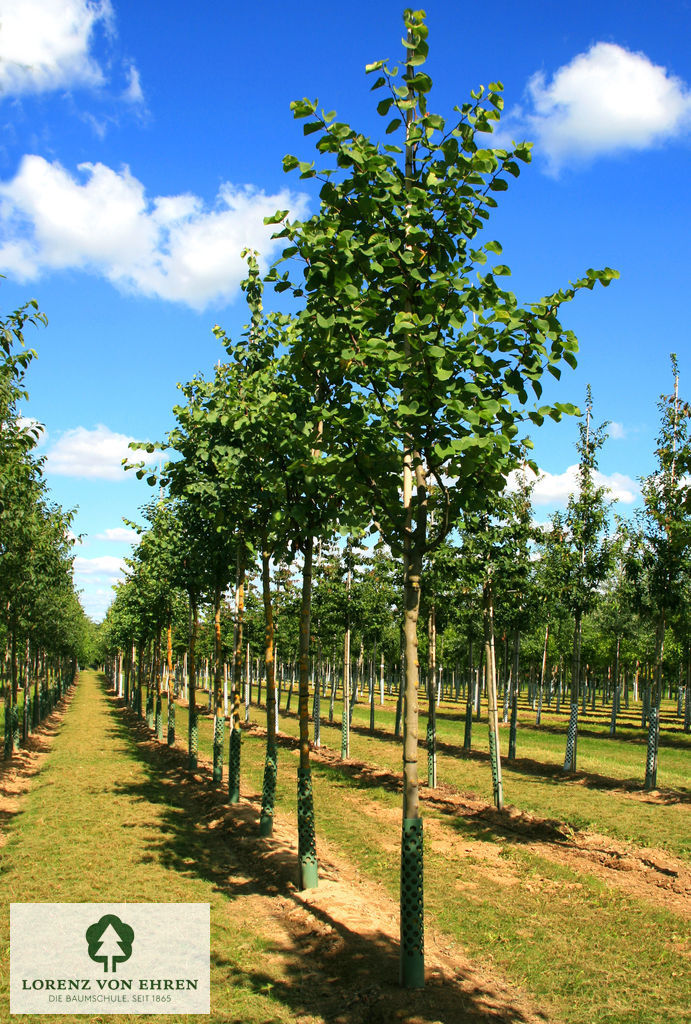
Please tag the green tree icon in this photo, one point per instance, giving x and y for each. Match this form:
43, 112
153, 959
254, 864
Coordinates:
110, 939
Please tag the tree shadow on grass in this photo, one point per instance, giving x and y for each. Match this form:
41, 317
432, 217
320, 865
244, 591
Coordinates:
326, 968
549, 773
24, 764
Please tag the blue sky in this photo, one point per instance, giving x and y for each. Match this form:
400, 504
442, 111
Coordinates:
142, 146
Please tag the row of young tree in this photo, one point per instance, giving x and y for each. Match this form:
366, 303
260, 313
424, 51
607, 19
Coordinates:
43, 629
393, 404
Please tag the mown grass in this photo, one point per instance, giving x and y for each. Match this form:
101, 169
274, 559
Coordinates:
586, 951
605, 796
94, 828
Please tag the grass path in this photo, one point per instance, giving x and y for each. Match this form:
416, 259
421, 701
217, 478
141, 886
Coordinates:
113, 816
94, 827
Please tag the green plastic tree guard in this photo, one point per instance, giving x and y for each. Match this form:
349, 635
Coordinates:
412, 917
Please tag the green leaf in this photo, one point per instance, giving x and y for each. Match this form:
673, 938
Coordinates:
392, 126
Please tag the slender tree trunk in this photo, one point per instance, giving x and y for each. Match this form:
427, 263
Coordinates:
171, 693
235, 742
467, 734
345, 720
266, 821
543, 669
412, 886
570, 760
219, 720
615, 693
192, 725
492, 702
514, 695
307, 846
654, 710
432, 700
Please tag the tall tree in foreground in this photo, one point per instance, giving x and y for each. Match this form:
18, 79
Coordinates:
422, 361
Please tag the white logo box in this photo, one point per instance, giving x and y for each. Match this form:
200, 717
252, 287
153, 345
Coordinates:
136, 958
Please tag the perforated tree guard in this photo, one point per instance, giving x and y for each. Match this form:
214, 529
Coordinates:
150, 710
307, 843
468, 731
171, 721
497, 788
159, 717
431, 755
651, 757
572, 739
412, 905
234, 765
15, 726
193, 739
266, 820
219, 723
316, 715
345, 736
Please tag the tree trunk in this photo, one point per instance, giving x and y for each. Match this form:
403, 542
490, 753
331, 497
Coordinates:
307, 846
654, 710
570, 760
266, 821
432, 701
192, 727
345, 720
219, 720
514, 695
235, 734
492, 701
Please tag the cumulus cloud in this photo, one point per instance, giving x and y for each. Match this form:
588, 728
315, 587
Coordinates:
95, 454
617, 431
47, 44
170, 247
119, 535
555, 488
104, 566
604, 101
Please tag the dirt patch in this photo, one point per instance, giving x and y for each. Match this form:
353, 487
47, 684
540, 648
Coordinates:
644, 873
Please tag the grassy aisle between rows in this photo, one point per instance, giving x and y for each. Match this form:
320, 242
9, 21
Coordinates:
90, 830
584, 950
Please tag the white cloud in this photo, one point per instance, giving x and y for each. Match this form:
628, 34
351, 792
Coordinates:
96, 454
555, 488
95, 578
106, 567
170, 247
133, 93
46, 44
119, 535
604, 101
617, 431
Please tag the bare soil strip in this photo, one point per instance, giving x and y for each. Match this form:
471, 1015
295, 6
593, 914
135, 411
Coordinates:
644, 873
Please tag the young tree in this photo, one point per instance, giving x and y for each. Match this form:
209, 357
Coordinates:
587, 555
423, 367
660, 564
